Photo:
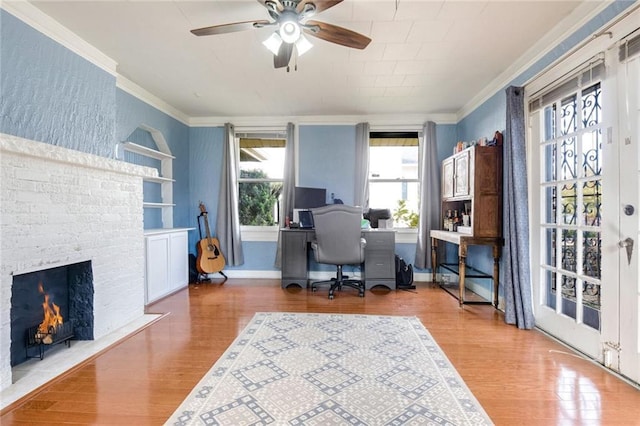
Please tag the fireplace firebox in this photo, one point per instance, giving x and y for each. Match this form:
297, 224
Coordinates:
50, 306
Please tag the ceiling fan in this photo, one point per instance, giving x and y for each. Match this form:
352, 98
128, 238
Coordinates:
291, 20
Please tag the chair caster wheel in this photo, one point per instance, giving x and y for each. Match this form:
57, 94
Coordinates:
331, 297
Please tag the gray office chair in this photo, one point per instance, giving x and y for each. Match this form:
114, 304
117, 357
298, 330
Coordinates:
338, 242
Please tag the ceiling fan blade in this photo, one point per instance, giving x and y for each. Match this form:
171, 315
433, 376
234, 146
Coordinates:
320, 4
283, 57
275, 2
335, 34
229, 28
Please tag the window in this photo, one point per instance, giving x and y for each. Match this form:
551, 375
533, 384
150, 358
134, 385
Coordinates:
394, 175
261, 158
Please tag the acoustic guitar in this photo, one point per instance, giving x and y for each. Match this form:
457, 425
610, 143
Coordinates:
210, 259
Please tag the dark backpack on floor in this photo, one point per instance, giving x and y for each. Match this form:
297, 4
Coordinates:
404, 274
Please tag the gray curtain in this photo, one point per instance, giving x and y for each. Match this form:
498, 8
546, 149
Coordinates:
429, 194
228, 220
361, 192
288, 186
516, 280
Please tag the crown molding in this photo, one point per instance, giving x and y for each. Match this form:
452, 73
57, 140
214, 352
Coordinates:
569, 25
149, 98
34, 17
399, 121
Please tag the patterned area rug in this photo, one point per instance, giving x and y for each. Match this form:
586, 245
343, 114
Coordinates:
331, 369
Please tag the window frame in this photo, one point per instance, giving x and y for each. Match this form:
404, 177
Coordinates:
403, 234
258, 232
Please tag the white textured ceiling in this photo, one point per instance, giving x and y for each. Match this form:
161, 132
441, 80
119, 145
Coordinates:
426, 57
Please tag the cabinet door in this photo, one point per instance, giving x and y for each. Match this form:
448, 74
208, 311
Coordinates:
462, 175
447, 178
179, 261
294, 255
157, 274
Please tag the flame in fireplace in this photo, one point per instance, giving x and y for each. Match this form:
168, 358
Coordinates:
52, 318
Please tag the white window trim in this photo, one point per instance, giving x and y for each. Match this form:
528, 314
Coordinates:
258, 233
403, 235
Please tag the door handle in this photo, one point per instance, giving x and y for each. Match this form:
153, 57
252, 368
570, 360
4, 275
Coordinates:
627, 243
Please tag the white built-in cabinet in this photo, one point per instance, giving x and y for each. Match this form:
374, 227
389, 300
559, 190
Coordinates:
166, 248
167, 262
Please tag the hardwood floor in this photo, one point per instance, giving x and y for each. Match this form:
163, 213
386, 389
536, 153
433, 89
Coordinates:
519, 377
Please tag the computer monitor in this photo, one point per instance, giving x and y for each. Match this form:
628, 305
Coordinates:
309, 198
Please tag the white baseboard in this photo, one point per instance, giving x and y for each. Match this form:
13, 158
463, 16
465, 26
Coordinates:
313, 275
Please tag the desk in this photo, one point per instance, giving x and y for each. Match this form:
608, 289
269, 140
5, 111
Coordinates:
464, 241
379, 264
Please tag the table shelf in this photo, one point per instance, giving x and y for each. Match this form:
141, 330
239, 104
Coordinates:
470, 272
470, 297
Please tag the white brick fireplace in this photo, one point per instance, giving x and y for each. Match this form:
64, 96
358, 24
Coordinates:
59, 207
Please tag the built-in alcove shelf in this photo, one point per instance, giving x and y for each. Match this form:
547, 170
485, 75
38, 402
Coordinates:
156, 205
159, 179
165, 172
147, 152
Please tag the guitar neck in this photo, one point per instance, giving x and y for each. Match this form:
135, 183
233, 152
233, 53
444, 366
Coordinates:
206, 227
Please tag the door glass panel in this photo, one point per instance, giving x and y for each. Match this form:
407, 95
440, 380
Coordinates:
591, 305
550, 280
591, 109
551, 245
569, 250
550, 205
569, 204
549, 165
568, 115
591, 254
569, 296
592, 153
568, 159
592, 202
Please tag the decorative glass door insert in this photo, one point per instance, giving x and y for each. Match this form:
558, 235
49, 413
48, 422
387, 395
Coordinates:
572, 199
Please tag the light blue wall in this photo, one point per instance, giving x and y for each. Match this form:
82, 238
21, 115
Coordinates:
205, 165
446, 137
52, 95
327, 155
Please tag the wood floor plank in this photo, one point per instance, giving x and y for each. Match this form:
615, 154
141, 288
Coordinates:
519, 377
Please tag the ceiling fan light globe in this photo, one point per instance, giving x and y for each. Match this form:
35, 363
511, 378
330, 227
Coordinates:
290, 31
273, 43
303, 45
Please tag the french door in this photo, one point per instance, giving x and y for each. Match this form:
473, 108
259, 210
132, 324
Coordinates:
626, 76
585, 218
568, 129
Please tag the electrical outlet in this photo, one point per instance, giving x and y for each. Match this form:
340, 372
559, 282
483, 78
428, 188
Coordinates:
446, 278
